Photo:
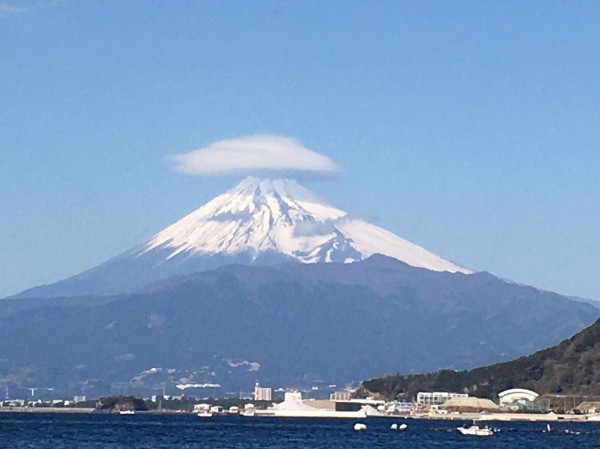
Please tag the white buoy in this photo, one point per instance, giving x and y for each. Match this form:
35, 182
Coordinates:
403, 426
394, 426
360, 426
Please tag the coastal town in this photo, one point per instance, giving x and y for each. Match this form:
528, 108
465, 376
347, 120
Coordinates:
517, 404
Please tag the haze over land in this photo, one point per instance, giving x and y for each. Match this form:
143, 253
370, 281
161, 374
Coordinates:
289, 325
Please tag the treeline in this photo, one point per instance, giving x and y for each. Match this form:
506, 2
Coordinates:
572, 367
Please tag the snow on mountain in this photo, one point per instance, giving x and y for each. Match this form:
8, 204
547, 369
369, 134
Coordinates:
258, 222
281, 216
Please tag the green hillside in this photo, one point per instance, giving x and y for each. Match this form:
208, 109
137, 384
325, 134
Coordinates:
571, 367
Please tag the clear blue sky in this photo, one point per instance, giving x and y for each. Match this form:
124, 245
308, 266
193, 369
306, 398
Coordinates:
470, 128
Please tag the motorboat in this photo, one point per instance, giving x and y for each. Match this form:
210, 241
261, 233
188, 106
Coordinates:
475, 430
127, 412
203, 410
248, 410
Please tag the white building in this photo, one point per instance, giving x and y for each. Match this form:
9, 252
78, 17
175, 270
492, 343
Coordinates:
340, 396
262, 394
426, 399
401, 407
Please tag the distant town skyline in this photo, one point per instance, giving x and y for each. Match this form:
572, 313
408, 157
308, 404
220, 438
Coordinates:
469, 128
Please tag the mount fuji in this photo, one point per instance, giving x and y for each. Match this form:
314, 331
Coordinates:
257, 222
214, 300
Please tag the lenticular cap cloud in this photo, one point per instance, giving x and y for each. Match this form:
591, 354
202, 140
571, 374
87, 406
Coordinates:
256, 154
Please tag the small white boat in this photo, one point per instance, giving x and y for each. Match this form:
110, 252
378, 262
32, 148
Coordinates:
127, 412
475, 430
203, 410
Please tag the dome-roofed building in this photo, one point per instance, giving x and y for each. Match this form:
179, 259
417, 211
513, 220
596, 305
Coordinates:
516, 394
520, 399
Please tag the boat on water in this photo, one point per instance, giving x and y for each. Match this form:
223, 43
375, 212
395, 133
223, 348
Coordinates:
203, 410
475, 430
248, 410
127, 412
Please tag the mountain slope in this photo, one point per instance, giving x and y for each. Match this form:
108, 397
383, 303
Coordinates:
258, 222
571, 367
291, 324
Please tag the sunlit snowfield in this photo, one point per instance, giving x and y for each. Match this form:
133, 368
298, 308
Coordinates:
23, 430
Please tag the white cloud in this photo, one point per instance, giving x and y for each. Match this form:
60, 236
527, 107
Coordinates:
185, 386
7, 9
257, 154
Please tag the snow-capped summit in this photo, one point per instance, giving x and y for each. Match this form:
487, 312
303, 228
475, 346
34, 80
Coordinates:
254, 217
259, 222
281, 216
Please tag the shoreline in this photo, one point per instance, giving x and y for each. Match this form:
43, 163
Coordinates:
46, 410
485, 417
505, 417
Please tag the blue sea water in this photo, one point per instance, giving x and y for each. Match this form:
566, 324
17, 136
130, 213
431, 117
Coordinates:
62, 431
